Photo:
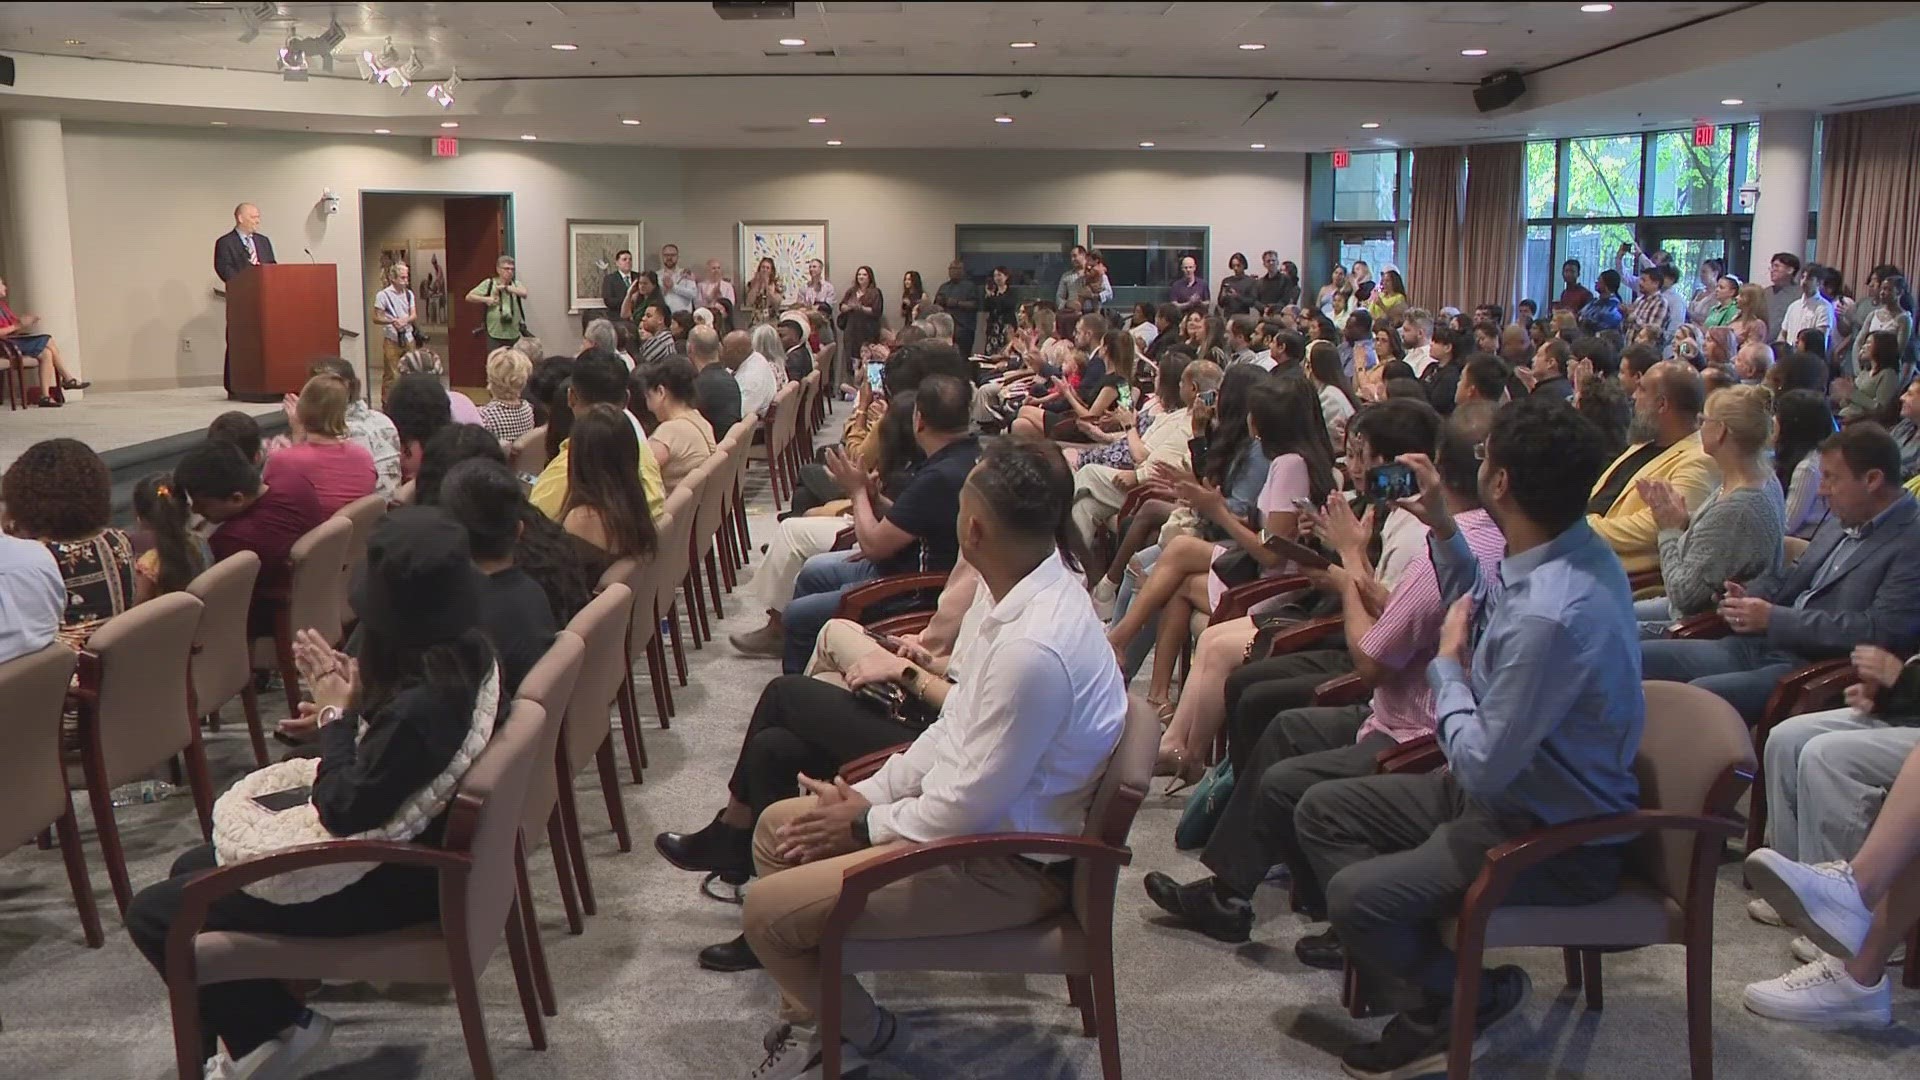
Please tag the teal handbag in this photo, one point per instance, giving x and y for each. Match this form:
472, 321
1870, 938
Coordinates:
1205, 803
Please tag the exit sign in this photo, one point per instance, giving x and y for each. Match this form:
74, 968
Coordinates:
446, 146
1342, 158
1705, 134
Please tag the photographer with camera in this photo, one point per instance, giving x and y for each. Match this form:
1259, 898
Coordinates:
506, 302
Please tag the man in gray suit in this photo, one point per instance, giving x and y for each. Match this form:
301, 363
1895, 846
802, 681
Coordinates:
1857, 584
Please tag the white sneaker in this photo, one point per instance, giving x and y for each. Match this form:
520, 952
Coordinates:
793, 1053
277, 1057
1105, 595
1762, 912
1805, 951
1821, 900
1822, 994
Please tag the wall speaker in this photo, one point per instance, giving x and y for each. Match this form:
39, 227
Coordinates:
1499, 90
6, 71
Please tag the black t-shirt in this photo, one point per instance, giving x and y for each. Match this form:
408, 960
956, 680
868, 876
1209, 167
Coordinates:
515, 615
1623, 474
717, 396
929, 508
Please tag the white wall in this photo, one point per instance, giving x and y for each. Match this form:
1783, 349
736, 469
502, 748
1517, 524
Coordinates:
393, 221
148, 202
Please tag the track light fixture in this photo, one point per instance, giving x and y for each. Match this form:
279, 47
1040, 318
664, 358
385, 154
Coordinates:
253, 17
441, 93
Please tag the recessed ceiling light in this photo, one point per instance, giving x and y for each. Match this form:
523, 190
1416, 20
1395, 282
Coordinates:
1596, 9
218, 123
449, 123
1146, 146
1371, 124
564, 47
793, 42
833, 142
631, 122
75, 41
1733, 101
383, 131
1473, 52
1257, 146
528, 138
816, 119
1022, 44
1003, 119
1251, 46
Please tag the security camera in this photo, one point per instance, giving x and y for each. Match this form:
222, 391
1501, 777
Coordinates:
329, 202
1749, 196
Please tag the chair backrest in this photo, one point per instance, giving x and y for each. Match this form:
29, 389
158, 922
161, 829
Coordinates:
365, 513
34, 687
1122, 788
676, 526
142, 658
319, 584
222, 663
711, 491
602, 626
549, 685
1691, 751
786, 407
485, 823
529, 453
636, 576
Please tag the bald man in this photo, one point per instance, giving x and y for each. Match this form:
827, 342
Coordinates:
235, 251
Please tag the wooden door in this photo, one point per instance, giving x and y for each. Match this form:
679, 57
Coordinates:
476, 237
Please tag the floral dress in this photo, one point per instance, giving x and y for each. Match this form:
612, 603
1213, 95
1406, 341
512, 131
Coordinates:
99, 575
1118, 454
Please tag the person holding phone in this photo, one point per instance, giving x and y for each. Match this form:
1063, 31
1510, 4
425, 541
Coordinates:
390, 725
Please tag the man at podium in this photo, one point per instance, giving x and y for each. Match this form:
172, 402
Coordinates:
235, 251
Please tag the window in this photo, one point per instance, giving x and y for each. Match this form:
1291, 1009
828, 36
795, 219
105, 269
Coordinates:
1689, 179
1376, 249
1543, 174
1603, 177
1687, 255
1034, 255
1146, 259
1368, 189
1597, 246
1538, 274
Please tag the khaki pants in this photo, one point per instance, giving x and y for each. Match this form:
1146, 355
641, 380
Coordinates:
787, 908
390, 353
1097, 497
799, 539
842, 643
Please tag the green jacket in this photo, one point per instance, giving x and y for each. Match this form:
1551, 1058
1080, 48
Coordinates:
505, 320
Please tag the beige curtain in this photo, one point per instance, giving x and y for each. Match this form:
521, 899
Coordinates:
1433, 238
1870, 191
1494, 226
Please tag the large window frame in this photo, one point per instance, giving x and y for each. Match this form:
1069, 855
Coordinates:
1152, 291
1036, 283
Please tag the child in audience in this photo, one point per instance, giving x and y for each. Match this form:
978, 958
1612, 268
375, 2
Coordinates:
178, 555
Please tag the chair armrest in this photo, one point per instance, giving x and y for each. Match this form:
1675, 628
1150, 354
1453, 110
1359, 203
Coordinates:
869, 876
1348, 689
844, 540
1417, 755
1305, 636
913, 622
1645, 579
855, 601
1702, 627
1239, 600
1139, 497
1804, 689
866, 765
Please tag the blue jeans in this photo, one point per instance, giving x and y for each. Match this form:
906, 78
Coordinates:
1142, 643
1742, 671
816, 596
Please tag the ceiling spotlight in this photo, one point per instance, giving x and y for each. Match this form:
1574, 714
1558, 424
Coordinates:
441, 94
833, 142
1023, 44
375, 67
383, 131
292, 62
300, 52
449, 123
1251, 46
74, 41
793, 42
1473, 52
564, 47
1733, 101
1003, 119
1596, 9
1146, 146
253, 16
816, 119
528, 138
218, 123
631, 122
1371, 124
1257, 146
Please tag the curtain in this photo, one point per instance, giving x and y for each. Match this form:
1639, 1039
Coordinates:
1433, 238
1870, 191
1494, 226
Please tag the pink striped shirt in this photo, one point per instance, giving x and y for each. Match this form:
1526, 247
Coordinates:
1408, 633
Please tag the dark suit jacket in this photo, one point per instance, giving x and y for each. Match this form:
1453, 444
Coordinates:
230, 255
1873, 600
613, 292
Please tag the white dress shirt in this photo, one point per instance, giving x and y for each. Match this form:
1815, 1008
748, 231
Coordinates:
1021, 744
682, 289
32, 597
1419, 359
758, 385
1807, 314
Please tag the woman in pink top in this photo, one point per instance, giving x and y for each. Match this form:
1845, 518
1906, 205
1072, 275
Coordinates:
340, 471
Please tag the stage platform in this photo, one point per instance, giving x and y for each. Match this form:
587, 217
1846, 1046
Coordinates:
135, 432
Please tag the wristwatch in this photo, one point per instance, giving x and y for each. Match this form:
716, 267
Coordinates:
859, 827
327, 715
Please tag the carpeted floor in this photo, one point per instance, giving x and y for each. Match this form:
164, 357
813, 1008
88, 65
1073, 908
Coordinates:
634, 1005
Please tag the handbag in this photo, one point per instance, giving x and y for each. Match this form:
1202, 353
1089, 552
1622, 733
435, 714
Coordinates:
1205, 804
1236, 568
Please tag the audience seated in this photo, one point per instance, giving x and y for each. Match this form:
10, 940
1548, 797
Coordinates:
243, 432
450, 446
1802, 421
365, 426
173, 553
338, 470
485, 499
250, 515
33, 596
715, 389
417, 405
605, 503
1666, 446
392, 726
507, 415
1100, 490
598, 379
681, 439
1856, 584
59, 494
1538, 711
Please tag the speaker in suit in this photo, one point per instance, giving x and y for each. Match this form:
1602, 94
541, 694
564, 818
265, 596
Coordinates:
232, 253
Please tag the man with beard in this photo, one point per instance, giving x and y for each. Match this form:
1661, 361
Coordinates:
1664, 444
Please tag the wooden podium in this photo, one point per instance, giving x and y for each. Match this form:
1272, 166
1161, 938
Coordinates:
281, 317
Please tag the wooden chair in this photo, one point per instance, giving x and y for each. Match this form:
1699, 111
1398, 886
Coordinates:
710, 501
135, 703
13, 376
549, 685
742, 433
34, 687
586, 736
780, 427
732, 548
674, 554
316, 596
633, 575
222, 666
476, 865
364, 513
1077, 943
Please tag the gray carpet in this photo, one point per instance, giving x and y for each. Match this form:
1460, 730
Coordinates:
633, 1004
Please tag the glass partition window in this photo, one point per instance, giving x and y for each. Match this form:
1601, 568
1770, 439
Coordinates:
1689, 179
1603, 177
1147, 257
1539, 275
1035, 255
1595, 244
1367, 189
1543, 174
1374, 250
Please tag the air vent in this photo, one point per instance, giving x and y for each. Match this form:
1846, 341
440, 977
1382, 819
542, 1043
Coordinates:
798, 52
871, 52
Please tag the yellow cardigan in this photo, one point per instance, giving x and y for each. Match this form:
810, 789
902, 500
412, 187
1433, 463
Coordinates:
1628, 524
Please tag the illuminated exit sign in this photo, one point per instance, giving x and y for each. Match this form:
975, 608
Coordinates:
1342, 158
446, 146
1705, 134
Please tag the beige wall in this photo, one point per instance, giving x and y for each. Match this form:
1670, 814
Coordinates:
393, 221
148, 202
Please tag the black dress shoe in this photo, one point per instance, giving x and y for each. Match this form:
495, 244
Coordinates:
717, 849
1203, 906
1321, 951
735, 955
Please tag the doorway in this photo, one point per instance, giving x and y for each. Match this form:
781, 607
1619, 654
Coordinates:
450, 243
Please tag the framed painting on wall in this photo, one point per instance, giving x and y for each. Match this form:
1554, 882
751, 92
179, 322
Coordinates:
788, 243
591, 246
428, 264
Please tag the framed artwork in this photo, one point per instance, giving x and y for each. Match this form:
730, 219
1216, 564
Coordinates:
788, 243
428, 262
591, 246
